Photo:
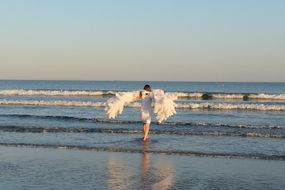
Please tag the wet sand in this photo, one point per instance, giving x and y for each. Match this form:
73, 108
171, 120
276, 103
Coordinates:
48, 168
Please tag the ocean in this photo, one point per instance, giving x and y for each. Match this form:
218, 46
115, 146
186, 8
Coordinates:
225, 135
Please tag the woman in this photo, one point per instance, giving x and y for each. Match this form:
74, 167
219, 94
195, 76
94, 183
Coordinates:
146, 109
164, 105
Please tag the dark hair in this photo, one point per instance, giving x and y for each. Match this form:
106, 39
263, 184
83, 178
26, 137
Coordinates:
147, 87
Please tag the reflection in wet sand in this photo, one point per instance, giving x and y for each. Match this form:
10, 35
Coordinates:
123, 175
159, 176
118, 175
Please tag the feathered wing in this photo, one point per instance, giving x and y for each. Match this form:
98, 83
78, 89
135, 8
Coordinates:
164, 105
116, 104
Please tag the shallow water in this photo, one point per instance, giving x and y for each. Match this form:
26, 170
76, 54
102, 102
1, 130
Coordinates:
232, 127
63, 108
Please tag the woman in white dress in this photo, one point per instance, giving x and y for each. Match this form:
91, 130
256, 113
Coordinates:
146, 109
164, 105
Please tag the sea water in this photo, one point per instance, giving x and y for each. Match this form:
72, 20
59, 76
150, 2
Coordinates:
214, 120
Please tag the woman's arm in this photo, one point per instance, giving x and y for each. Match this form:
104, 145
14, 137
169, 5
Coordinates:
139, 96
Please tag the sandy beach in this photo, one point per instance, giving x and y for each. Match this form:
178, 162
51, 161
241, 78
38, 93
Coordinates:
48, 168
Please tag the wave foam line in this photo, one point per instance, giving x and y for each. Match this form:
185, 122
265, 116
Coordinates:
219, 106
19, 129
144, 151
228, 106
173, 123
217, 95
23, 92
244, 96
51, 103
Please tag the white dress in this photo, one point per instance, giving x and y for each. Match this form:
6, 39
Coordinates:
146, 108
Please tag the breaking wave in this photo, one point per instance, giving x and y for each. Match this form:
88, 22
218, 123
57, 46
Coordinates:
200, 95
228, 106
23, 92
244, 96
206, 105
51, 103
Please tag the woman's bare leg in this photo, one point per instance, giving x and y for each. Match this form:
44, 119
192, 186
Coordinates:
146, 130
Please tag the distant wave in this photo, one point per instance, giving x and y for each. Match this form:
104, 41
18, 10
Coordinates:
244, 96
23, 129
177, 123
151, 151
23, 92
206, 105
52, 103
200, 95
228, 106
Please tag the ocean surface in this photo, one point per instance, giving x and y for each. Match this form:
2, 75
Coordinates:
230, 124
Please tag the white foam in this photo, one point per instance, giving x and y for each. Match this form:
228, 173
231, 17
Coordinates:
207, 105
187, 94
227, 106
27, 92
262, 96
22, 92
52, 103
228, 96
268, 96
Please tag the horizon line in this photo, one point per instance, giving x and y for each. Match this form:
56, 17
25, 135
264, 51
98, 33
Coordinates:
104, 80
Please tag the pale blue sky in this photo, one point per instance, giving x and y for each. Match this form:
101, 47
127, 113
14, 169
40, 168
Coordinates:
190, 40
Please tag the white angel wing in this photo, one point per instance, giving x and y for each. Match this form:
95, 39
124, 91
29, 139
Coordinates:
115, 105
164, 105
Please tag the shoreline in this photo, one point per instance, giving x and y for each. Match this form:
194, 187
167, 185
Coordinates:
144, 151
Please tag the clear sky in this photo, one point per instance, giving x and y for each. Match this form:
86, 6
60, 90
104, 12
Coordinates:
188, 40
